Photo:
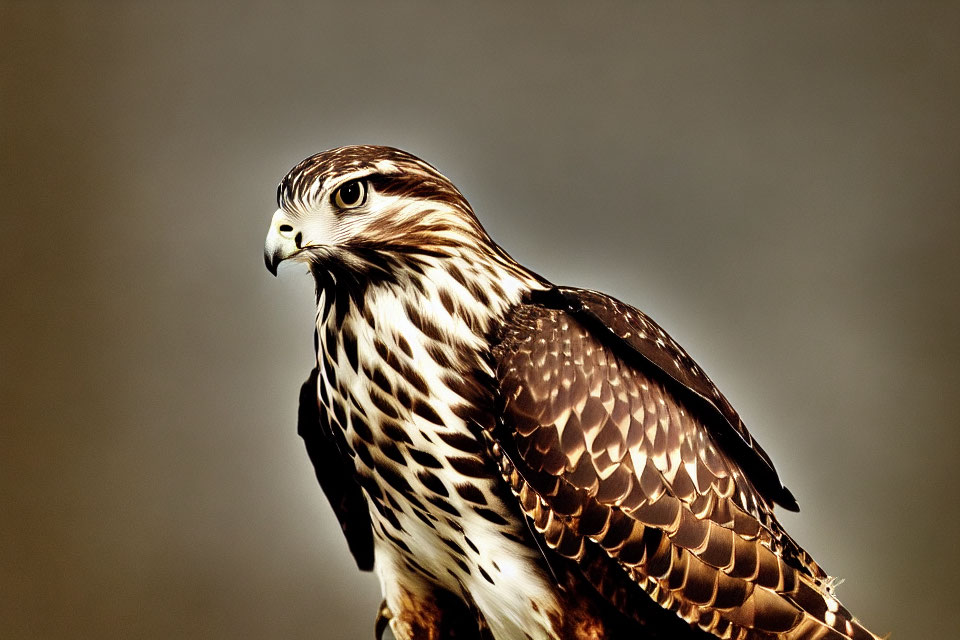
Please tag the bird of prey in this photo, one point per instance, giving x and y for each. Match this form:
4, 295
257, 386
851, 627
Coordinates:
515, 459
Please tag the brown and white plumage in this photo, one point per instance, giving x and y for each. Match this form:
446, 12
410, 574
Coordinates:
516, 459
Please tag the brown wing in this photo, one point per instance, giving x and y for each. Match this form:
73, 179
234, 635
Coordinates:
606, 450
335, 475
630, 332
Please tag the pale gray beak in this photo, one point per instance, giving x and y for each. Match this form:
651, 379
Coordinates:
283, 240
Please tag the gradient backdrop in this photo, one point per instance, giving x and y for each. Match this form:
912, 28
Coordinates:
777, 183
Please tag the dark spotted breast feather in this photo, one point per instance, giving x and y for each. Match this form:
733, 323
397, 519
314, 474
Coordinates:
615, 441
336, 474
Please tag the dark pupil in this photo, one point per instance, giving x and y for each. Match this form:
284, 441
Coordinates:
350, 193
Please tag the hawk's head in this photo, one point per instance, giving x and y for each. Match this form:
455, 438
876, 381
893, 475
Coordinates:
346, 201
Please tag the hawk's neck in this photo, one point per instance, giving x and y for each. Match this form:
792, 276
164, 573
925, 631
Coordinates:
463, 288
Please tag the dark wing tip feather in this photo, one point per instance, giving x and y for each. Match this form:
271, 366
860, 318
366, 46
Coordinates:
786, 500
336, 478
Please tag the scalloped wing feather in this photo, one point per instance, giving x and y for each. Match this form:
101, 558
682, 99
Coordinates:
605, 452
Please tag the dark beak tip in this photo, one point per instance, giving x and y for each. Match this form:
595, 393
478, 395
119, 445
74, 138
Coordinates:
272, 262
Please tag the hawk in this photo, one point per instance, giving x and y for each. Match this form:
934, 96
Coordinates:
516, 459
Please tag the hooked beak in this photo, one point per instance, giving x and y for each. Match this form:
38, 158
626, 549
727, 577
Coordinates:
283, 241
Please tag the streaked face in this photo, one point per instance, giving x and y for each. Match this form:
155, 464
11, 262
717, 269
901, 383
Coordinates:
369, 197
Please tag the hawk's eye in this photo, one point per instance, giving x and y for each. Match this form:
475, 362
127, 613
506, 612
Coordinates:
350, 195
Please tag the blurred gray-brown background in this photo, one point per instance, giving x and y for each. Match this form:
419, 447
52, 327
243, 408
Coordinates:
777, 183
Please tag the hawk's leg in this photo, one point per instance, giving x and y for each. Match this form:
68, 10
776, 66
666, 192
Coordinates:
410, 616
384, 615
418, 610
